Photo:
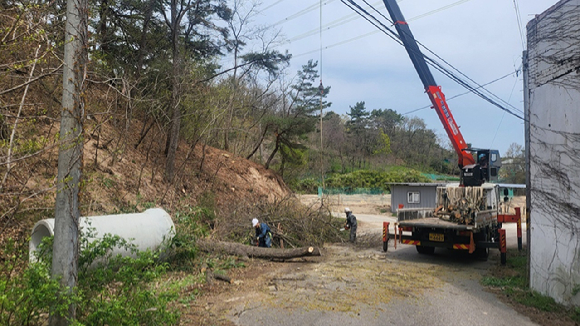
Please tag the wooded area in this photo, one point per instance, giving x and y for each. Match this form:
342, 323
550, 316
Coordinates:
84, 84
187, 72
182, 71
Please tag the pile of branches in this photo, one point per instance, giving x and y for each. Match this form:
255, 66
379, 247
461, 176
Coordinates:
460, 204
293, 224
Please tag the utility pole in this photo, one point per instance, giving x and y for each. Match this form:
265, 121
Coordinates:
526, 73
321, 88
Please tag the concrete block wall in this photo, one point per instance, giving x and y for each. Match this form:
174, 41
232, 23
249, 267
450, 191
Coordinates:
553, 112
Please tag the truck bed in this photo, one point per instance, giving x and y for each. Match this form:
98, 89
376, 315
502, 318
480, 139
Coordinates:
435, 222
423, 218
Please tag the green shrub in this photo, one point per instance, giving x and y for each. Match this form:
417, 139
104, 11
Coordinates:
305, 186
374, 179
111, 289
26, 292
191, 224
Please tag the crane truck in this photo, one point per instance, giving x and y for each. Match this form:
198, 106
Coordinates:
466, 214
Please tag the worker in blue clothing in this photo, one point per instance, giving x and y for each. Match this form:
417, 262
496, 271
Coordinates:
263, 233
350, 224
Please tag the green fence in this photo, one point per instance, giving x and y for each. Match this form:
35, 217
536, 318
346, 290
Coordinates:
350, 191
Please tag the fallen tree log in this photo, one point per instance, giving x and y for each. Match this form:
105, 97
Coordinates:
242, 250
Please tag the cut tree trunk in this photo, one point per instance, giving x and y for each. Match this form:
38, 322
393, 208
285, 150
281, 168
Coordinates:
242, 250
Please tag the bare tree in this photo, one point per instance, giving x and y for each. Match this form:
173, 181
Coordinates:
70, 158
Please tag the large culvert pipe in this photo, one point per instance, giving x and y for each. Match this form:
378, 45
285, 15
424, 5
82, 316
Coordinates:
146, 230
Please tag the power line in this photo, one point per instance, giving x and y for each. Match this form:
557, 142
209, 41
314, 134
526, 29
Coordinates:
335, 23
438, 10
518, 17
464, 93
336, 44
300, 13
477, 89
345, 19
272, 5
389, 32
503, 115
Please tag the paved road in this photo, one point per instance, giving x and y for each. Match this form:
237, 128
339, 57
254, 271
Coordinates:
457, 299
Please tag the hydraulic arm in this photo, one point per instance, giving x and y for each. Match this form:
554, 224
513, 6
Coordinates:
436, 96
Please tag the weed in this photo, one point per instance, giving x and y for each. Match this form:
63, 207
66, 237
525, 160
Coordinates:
536, 300
576, 289
576, 314
512, 282
108, 183
189, 228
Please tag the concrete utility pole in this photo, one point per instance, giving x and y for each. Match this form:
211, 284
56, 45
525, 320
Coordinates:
526, 73
321, 88
70, 155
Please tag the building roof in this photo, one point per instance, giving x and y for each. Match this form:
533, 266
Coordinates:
417, 184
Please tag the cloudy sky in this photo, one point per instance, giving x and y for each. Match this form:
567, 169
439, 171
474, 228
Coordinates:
482, 39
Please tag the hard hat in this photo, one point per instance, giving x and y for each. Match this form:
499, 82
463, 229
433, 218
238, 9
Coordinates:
346, 210
254, 222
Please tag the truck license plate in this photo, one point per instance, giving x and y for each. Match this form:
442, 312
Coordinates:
436, 237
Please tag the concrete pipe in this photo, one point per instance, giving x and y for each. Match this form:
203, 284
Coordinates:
145, 230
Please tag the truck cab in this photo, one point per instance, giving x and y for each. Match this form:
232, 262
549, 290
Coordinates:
486, 168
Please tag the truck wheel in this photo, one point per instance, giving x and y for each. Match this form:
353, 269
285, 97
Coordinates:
483, 253
425, 250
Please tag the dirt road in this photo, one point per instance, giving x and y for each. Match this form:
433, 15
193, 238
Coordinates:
361, 285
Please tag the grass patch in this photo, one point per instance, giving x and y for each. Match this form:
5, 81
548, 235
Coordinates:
511, 281
536, 300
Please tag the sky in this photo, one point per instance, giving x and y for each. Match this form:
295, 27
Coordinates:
483, 39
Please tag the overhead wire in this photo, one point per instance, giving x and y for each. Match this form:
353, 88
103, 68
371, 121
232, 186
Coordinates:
503, 115
348, 18
337, 44
271, 5
438, 10
392, 34
477, 89
461, 94
345, 19
335, 23
519, 21
299, 13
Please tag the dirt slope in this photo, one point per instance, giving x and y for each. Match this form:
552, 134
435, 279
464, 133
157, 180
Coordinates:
138, 172
123, 174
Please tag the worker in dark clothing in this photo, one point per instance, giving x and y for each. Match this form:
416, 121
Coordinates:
482, 160
263, 234
350, 224
483, 163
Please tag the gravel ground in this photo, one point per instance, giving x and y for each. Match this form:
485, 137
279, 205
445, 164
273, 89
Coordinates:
359, 285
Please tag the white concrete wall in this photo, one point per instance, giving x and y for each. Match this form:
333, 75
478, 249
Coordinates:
554, 148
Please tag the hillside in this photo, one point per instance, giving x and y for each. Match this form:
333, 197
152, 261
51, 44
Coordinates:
122, 178
201, 169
